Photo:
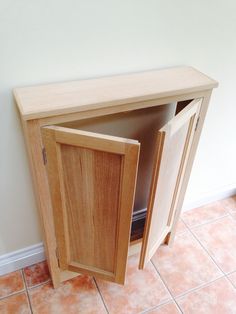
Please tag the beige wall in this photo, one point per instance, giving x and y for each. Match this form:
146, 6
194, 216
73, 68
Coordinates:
47, 41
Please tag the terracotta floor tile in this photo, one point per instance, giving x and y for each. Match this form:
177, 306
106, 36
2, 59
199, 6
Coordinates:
169, 308
232, 278
233, 215
219, 237
36, 274
229, 203
15, 304
181, 227
11, 283
78, 295
218, 297
204, 214
143, 290
185, 265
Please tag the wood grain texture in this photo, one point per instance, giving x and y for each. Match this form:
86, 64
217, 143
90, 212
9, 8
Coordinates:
92, 194
187, 168
34, 145
94, 191
109, 110
64, 98
173, 143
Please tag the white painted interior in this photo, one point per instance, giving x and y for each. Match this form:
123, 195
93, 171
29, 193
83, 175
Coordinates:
58, 40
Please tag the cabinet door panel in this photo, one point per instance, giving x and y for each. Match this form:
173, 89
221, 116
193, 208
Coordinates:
92, 182
172, 149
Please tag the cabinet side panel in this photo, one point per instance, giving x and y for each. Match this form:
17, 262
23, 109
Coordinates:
33, 139
92, 183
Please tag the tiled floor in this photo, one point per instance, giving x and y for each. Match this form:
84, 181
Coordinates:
197, 275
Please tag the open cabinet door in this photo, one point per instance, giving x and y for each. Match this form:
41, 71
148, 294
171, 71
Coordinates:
172, 149
92, 181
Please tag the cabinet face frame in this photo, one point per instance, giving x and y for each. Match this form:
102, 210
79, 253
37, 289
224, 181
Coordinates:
32, 131
54, 120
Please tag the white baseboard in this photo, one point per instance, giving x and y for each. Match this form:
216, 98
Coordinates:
35, 253
210, 197
21, 258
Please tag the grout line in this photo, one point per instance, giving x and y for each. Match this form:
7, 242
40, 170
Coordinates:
224, 274
231, 272
49, 280
12, 294
234, 286
165, 284
182, 221
228, 208
231, 215
27, 292
103, 301
178, 232
15, 292
207, 222
156, 307
202, 285
40, 284
206, 250
142, 312
179, 296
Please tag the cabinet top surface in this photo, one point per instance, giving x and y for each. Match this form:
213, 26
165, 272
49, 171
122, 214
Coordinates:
63, 98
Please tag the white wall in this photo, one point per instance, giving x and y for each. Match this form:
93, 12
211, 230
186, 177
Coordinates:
47, 41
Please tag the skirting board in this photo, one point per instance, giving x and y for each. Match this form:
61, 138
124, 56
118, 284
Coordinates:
210, 197
35, 253
21, 258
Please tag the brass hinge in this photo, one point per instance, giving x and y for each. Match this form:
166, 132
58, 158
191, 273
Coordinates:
44, 155
196, 126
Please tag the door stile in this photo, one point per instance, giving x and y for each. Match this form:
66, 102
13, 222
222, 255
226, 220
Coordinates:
192, 125
130, 161
54, 164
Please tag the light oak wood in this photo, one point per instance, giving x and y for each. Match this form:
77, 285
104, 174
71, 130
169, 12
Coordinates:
57, 103
92, 181
186, 171
67, 275
34, 146
104, 111
33, 140
56, 99
173, 145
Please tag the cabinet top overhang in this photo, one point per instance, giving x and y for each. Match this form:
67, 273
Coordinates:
42, 101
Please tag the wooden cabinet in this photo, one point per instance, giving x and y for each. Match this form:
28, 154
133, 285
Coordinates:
107, 154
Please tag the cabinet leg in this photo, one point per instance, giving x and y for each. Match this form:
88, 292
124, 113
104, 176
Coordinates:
169, 239
34, 147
